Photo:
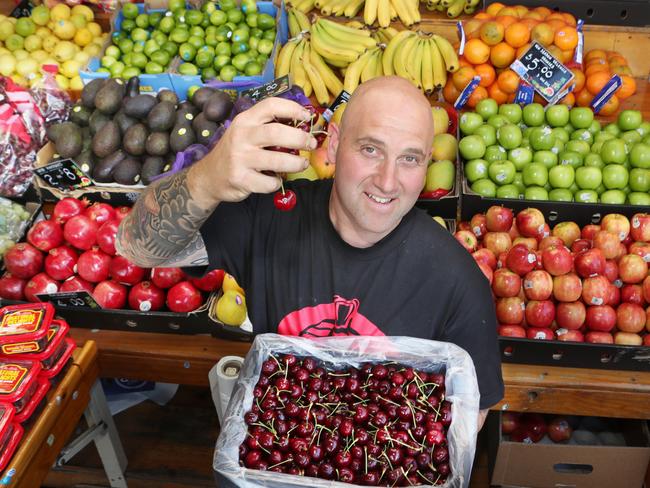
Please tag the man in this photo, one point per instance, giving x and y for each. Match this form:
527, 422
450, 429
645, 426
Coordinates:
353, 256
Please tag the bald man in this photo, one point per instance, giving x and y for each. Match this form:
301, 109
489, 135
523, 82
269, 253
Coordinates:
354, 257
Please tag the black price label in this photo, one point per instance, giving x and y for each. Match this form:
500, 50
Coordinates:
23, 9
539, 68
63, 175
79, 299
270, 89
343, 98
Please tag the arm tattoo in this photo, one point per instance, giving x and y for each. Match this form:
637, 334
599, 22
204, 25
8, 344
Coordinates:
163, 227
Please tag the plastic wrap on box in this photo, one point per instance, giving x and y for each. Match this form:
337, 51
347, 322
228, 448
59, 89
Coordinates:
431, 356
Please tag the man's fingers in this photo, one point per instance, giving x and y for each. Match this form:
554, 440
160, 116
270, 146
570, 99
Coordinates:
279, 162
281, 135
261, 183
271, 108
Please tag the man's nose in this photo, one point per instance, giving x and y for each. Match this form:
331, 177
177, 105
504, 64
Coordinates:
386, 178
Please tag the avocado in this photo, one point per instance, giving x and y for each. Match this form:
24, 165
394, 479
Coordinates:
153, 166
80, 115
109, 97
139, 106
203, 128
89, 92
123, 121
201, 96
182, 135
54, 130
97, 121
127, 172
134, 139
218, 107
157, 144
162, 117
85, 161
133, 86
185, 113
167, 96
106, 141
69, 143
103, 170
86, 138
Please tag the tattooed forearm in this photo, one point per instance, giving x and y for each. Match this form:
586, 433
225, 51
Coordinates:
163, 227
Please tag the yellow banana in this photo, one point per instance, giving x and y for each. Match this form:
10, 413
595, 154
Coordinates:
298, 74
370, 11
319, 87
438, 63
339, 8
334, 54
383, 13
403, 12
413, 7
355, 24
390, 31
338, 29
369, 70
426, 74
304, 6
391, 48
303, 20
283, 64
353, 72
448, 53
352, 9
332, 81
403, 55
292, 22
414, 63
379, 70
393, 12
345, 37
455, 8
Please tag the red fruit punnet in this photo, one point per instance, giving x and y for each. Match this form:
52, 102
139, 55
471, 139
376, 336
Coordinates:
183, 297
125, 272
211, 281
145, 297
100, 213
41, 283
67, 208
45, 235
166, 277
93, 265
23, 260
61, 263
109, 294
12, 288
80, 232
76, 283
106, 235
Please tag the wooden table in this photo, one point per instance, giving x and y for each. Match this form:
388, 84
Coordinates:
187, 360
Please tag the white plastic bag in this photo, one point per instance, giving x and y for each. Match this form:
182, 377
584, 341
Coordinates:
461, 391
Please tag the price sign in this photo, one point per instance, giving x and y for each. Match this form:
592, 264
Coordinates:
539, 68
270, 89
23, 9
79, 299
64, 175
343, 97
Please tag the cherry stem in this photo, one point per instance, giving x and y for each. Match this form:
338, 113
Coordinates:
281, 462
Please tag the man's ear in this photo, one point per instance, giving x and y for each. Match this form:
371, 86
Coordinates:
333, 144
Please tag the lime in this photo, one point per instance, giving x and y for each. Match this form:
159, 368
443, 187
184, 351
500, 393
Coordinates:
249, 6
170, 47
265, 21
116, 37
269, 34
208, 74
25, 26
206, 21
128, 25
208, 8
116, 69
175, 5
223, 48
204, 59
159, 37
166, 25
179, 15
239, 47
127, 59
150, 47
188, 69
107, 61
251, 20
231, 25
240, 60
252, 53
179, 36
155, 18
227, 4
139, 60
130, 11
223, 33
139, 34
197, 31
211, 30
161, 57
194, 17
112, 51
265, 46
262, 59
211, 41
220, 61
227, 73
99, 70
152, 68
235, 16
218, 17
252, 68
195, 41
256, 32
240, 35
253, 43
138, 47
186, 51
142, 21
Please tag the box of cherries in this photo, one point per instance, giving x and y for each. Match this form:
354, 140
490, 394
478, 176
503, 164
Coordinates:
350, 411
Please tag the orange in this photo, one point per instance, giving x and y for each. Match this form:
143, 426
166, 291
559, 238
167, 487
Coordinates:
462, 77
592, 70
508, 81
578, 79
583, 98
567, 56
566, 38
617, 60
595, 53
555, 15
569, 19
483, 16
622, 70
495, 92
517, 34
510, 11
450, 92
521, 50
596, 82
543, 33
610, 107
506, 20
521, 10
494, 8
472, 26
533, 15
479, 94
487, 74
555, 51
628, 87
543, 11
502, 55
529, 23
555, 23
476, 51
492, 33
596, 61
511, 98
537, 99
463, 62
569, 100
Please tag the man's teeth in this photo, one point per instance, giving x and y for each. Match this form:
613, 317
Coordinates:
379, 199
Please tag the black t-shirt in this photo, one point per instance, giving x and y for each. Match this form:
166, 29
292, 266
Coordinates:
301, 278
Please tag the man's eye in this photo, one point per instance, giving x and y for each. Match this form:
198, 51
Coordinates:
369, 149
412, 160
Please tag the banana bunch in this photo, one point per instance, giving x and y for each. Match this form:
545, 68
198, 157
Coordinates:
453, 7
298, 22
338, 44
383, 35
422, 58
339, 8
368, 66
383, 11
303, 6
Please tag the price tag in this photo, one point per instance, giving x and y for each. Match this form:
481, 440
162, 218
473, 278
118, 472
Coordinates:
467, 92
23, 9
79, 299
539, 68
270, 89
64, 175
343, 97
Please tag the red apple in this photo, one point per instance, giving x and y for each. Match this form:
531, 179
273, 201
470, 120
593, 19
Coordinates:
520, 259
485, 256
559, 430
601, 318
463, 225
599, 337
641, 249
622, 250
514, 232
477, 225
630, 318
595, 290
506, 283
614, 296
608, 243
498, 219
497, 242
487, 271
589, 263
509, 422
529, 242
540, 313
646, 289
508, 330
539, 333
501, 260
567, 231
616, 223
538, 260
550, 241
580, 245
510, 310
538, 285
467, 239
589, 231
632, 268
567, 288
646, 340
632, 294
536, 425
557, 260
640, 230
565, 335
570, 315
647, 319
628, 339
530, 223
611, 270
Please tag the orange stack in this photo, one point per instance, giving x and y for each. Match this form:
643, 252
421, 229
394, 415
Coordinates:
499, 35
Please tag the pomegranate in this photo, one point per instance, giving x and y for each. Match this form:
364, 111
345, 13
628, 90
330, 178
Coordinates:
146, 296
61, 263
109, 294
183, 297
67, 208
23, 260
94, 265
45, 235
124, 271
121, 212
100, 213
166, 277
12, 288
106, 236
76, 284
211, 281
81, 232
41, 283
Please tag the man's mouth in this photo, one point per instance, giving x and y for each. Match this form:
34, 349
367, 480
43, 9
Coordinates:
380, 200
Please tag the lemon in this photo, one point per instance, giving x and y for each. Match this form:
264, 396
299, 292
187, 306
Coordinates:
64, 51
82, 57
39, 55
33, 43
43, 32
27, 67
64, 29
7, 64
60, 12
20, 54
63, 82
13, 20
94, 28
230, 284
76, 83
70, 68
79, 21
40, 15
83, 10
6, 29
2, 17
4, 50
83, 37
18, 80
92, 50
50, 42
231, 308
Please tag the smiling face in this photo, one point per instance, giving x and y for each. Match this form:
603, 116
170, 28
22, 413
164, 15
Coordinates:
382, 151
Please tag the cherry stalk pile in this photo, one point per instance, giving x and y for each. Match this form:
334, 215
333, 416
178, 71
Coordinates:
74, 250
379, 425
571, 284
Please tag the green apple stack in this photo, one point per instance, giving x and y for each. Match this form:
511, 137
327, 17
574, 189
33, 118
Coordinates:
557, 154
221, 40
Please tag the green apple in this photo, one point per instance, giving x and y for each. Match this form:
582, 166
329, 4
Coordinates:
640, 180
644, 129
596, 147
631, 137
536, 193
533, 114
502, 172
486, 108
497, 121
558, 147
640, 155
569, 128
570, 158
581, 147
613, 151
485, 188
603, 136
471, 147
593, 159
615, 177
560, 195
535, 174
557, 115
511, 111
509, 135
613, 197
581, 117
519, 182
629, 120
469, 122
573, 188
541, 138
588, 177
612, 129
476, 169
547, 158
495, 153
508, 191
595, 127
561, 134
601, 189
561, 176
488, 133
520, 156
440, 175
586, 196
636, 198
583, 135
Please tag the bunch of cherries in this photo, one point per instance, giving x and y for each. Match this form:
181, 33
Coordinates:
378, 425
